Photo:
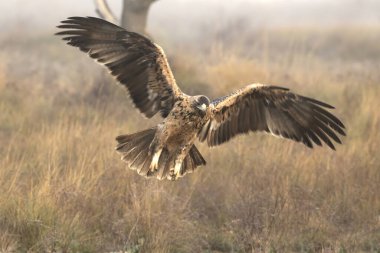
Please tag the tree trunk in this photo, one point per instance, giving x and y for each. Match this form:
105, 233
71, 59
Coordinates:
135, 14
133, 17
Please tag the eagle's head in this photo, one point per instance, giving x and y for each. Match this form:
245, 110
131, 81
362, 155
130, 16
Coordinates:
201, 103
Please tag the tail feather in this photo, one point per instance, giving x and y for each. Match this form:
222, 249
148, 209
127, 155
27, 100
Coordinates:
144, 170
139, 148
164, 164
196, 156
135, 152
135, 149
192, 161
128, 141
139, 161
186, 166
129, 137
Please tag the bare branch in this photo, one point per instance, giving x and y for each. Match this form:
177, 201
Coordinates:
105, 12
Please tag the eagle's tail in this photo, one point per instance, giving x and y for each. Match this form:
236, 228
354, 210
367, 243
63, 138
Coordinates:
134, 149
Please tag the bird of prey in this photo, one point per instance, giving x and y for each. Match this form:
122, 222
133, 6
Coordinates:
167, 151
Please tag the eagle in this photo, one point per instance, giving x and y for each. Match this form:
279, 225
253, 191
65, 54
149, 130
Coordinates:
167, 151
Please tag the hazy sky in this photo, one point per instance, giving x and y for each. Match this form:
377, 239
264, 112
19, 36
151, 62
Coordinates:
44, 13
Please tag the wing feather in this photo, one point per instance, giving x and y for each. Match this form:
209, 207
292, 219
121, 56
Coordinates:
274, 110
136, 62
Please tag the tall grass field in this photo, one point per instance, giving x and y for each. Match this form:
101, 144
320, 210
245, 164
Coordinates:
63, 188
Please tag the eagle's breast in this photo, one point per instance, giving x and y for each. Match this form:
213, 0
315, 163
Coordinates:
185, 121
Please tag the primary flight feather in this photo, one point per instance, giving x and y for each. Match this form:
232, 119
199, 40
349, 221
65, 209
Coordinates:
168, 150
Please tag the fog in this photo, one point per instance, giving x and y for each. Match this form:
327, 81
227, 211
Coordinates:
191, 14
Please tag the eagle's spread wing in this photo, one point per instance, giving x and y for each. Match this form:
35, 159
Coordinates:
275, 110
136, 62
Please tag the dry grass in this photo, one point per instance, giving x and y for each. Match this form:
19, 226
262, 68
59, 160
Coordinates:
64, 189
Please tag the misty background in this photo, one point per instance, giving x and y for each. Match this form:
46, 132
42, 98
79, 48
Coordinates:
253, 29
190, 15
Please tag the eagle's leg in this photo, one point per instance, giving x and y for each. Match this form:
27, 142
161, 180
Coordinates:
155, 148
175, 172
155, 159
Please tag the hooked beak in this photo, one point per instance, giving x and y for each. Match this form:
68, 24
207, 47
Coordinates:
202, 107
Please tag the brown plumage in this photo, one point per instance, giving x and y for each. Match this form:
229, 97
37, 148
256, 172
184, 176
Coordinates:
274, 110
136, 62
168, 150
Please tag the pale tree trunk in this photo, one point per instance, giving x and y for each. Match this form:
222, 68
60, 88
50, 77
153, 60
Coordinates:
135, 14
133, 17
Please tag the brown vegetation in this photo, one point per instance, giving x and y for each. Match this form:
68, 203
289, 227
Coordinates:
63, 188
